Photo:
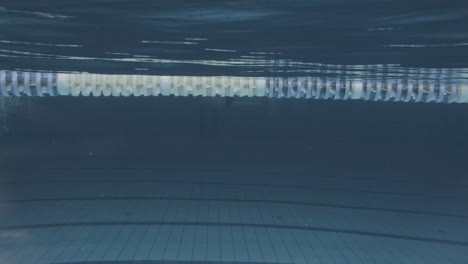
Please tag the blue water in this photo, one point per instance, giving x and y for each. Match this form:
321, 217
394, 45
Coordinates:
200, 180
233, 37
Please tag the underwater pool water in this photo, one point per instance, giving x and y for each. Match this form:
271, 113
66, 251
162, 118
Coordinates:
235, 161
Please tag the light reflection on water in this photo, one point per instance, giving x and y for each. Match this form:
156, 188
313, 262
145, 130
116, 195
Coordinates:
234, 37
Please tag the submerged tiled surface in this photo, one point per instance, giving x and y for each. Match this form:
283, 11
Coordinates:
226, 216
